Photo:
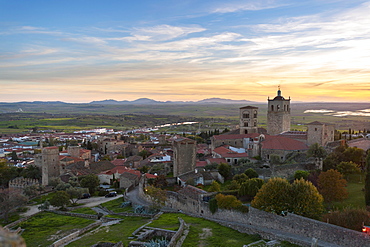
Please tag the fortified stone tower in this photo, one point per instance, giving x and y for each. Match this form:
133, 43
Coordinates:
184, 156
278, 114
248, 120
50, 164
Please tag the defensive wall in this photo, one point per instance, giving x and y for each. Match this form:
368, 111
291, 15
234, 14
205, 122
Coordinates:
271, 226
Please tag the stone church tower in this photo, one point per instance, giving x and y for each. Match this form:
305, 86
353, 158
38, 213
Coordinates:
248, 120
278, 114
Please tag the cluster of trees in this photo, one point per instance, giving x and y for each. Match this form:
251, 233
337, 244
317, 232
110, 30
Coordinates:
279, 196
9, 172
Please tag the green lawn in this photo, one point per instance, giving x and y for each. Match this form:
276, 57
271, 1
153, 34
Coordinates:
114, 206
112, 233
83, 211
204, 232
40, 229
356, 197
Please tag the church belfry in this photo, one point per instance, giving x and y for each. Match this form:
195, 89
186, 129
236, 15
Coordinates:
248, 120
278, 114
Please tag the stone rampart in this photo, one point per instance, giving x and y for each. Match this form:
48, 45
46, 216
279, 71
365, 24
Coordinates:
296, 224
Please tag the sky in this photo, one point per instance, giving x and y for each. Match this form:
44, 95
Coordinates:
85, 50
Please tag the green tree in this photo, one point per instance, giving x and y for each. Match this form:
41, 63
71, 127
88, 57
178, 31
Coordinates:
213, 205
90, 181
31, 191
367, 180
32, 171
316, 151
274, 196
225, 170
251, 173
215, 187
157, 195
307, 201
60, 199
234, 185
354, 154
75, 193
332, 186
301, 174
348, 168
240, 178
227, 202
144, 153
10, 200
278, 196
251, 187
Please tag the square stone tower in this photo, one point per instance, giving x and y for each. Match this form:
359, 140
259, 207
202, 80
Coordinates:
49, 164
278, 115
184, 156
248, 122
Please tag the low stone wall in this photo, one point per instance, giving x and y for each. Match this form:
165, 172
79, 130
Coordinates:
86, 216
178, 234
13, 224
74, 235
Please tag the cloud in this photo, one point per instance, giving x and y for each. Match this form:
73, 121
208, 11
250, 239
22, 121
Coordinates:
167, 32
245, 6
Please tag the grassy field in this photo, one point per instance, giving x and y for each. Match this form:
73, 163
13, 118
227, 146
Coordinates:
356, 196
204, 233
41, 229
71, 117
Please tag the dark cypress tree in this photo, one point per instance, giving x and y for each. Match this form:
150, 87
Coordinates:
367, 180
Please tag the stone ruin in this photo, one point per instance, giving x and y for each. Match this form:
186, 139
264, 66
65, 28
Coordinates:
21, 182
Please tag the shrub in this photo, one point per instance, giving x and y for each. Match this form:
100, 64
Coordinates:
349, 218
227, 202
213, 205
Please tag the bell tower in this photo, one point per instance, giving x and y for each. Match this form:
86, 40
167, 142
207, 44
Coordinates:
278, 114
248, 120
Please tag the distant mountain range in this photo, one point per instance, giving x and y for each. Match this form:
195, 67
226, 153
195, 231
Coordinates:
146, 101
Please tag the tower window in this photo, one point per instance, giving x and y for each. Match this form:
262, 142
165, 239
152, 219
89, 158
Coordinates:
255, 114
272, 108
255, 124
284, 107
245, 115
245, 124
277, 107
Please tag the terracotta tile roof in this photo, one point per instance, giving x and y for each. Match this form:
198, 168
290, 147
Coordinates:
227, 153
248, 107
192, 192
283, 143
118, 162
201, 163
148, 175
362, 143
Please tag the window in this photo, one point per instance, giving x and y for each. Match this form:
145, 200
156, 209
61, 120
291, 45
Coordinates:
277, 107
272, 108
245, 124
245, 115
315, 129
255, 114
255, 123
228, 160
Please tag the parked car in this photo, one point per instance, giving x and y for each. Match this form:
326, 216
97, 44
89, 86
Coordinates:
85, 195
111, 194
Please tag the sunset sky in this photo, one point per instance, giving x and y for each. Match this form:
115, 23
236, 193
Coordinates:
85, 50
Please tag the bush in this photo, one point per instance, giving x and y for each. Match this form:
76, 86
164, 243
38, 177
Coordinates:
227, 202
349, 218
251, 173
213, 205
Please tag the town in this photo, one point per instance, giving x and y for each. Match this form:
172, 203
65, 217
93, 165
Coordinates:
222, 180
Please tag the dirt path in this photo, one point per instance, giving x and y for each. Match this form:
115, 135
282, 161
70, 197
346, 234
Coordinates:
206, 232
